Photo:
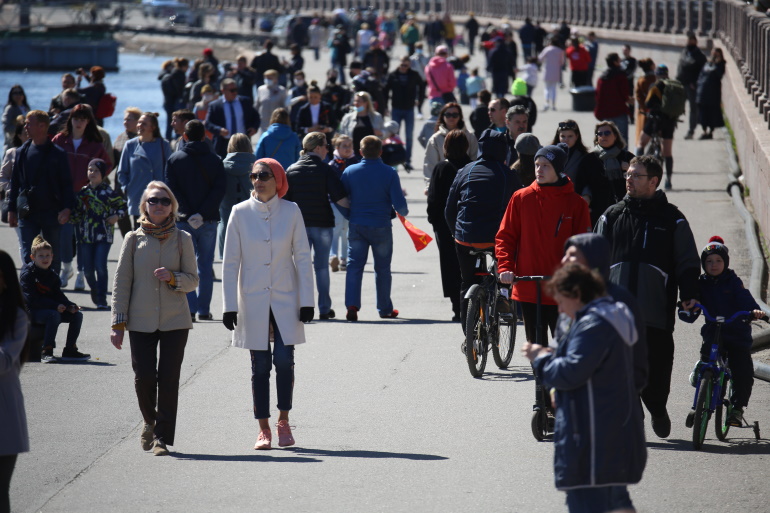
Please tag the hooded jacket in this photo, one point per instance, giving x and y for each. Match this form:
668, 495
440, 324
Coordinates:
440, 76
281, 143
237, 182
599, 434
724, 295
537, 222
596, 250
197, 178
480, 193
653, 253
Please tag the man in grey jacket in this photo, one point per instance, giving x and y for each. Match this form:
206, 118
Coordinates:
653, 254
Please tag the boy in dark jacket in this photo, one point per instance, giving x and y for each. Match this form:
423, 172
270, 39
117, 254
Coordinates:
723, 294
48, 305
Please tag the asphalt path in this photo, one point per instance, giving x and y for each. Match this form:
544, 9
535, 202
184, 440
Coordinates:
387, 417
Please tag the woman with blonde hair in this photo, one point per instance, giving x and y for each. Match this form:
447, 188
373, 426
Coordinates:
156, 270
363, 120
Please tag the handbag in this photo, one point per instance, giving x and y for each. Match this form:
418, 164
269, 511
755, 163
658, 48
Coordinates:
447, 97
6, 202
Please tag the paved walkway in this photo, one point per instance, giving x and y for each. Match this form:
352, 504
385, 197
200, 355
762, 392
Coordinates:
387, 417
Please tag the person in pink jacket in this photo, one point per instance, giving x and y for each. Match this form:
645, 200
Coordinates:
440, 76
81, 140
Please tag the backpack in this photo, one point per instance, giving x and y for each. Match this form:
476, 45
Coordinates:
673, 100
393, 154
106, 107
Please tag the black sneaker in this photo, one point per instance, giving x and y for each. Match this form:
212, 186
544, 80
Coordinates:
689, 135
47, 356
327, 316
206, 317
192, 316
73, 355
735, 419
661, 425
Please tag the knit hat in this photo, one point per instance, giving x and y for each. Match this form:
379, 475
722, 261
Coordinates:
441, 49
281, 184
391, 127
716, 246
519, 87
527, 144
100, 165
556, 154
435, 108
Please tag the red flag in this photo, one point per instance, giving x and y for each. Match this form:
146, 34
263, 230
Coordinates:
419, 237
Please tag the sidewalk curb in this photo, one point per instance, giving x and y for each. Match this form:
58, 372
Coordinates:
760, 340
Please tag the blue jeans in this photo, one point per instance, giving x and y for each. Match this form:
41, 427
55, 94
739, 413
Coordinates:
94, 258
406, 115
339, 236
51, 319
320, 240
360, 239
595, 500
283, 359
47, 224
622, 123
204, 242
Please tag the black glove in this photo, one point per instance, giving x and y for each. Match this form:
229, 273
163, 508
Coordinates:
230, 320
306, 313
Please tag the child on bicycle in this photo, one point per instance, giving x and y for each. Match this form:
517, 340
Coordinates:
722, 293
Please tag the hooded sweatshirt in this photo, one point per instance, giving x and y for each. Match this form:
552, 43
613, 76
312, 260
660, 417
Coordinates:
281, 143
440, 76
530, 242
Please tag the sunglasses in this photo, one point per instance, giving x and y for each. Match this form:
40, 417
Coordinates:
17, 92
451, 115
567, 126
262, 176
604, 133
166, 202
231, 89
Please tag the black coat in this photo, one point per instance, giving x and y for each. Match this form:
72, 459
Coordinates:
404, 97
709, 95
172, 86
312, 183
197, 178
49, 177
263, 62
326, 117
690, 65
42, 288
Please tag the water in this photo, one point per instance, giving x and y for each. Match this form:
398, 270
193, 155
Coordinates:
135, 85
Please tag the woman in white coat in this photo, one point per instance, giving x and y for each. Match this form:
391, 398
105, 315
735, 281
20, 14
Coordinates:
267, 277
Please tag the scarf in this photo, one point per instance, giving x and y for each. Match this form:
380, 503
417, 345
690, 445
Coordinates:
612, 168
159, 231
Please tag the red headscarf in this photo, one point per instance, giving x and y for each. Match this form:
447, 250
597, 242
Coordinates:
281, 184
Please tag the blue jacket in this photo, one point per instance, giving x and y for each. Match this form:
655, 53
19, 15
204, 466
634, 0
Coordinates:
481, 191
724, 295
599, 433
42, 288
197, 178
374, 191
281, 143
140, 164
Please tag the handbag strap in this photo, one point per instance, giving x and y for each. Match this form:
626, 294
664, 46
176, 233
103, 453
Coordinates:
276, 148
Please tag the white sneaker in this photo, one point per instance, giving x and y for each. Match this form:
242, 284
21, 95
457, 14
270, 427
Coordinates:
65, 274
80, 281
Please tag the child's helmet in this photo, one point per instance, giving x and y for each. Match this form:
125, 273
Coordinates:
716, 246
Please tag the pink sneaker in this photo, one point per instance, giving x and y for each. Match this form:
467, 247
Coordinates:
284, 434
264, 440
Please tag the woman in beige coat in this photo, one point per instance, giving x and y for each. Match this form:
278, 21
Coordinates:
156, 269
267, 278
450, 118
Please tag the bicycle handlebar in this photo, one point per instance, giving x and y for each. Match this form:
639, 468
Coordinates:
691, 316
531, 278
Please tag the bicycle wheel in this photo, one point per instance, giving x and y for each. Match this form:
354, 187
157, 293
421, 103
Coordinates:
702, 403
502, 348
476, 333
654, 147
721, 427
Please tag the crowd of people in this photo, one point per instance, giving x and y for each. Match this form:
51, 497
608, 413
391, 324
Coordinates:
290, 181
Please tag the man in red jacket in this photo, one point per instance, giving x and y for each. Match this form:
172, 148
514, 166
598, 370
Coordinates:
579, 60
538, 221
613, 96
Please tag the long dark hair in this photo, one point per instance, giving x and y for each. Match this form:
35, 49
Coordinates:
83, 111
570, 124
17, 87
11, 300
440, 121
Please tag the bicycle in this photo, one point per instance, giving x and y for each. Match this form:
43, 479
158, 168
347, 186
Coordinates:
655, 146
713, 382
542, 423
491, 318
